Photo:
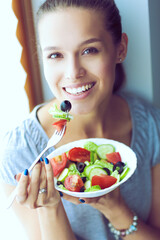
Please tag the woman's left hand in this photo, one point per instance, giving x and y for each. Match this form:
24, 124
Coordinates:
106, 204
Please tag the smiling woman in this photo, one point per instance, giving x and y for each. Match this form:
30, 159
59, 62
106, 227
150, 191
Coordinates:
82, 44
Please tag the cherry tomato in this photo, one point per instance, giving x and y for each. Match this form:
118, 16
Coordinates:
104, 181
59, 124
113, 157
73, 183
79, 154
58, 163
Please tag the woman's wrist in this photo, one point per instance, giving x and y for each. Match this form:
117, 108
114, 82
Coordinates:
124, 232
49, 209
121, 216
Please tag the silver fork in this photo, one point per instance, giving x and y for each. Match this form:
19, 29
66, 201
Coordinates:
56, 137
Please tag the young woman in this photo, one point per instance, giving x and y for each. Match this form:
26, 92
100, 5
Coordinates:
82, 47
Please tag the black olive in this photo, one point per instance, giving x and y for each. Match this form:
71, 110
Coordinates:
80, 166
83, 179
119, 167
107, 170
82, 189
65, 106
59, 183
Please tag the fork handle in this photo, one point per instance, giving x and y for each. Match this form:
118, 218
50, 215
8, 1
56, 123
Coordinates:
36, 160
12, 196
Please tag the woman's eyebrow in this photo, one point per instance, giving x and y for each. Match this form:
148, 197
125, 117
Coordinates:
91, 40
49, 48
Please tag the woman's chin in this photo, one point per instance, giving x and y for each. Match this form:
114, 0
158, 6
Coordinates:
80, 110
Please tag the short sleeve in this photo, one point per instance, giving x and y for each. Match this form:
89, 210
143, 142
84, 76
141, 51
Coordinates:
154, 123
19, 149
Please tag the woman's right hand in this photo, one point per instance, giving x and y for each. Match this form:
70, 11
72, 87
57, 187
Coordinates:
29, 186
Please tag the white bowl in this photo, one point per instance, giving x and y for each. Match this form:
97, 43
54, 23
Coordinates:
127, 156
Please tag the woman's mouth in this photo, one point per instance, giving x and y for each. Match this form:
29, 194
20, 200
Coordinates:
79, 90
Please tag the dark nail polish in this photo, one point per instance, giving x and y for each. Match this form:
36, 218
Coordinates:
26, 172
61, 194
82, 200
15, 176
41, 159
38, 161
46, 160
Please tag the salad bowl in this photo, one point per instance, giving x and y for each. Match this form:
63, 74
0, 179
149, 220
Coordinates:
127, 156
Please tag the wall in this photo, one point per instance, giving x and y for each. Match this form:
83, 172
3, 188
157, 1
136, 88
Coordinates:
155, 48
139, 19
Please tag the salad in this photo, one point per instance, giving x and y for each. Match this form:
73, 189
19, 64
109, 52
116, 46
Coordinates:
89, 168
61, 114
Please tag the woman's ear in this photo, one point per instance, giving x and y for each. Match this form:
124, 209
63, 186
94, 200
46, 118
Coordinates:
122, 48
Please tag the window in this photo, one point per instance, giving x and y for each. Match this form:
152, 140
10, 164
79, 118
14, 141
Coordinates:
20, 88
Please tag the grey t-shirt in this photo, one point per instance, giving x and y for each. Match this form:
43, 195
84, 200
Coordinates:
23, 144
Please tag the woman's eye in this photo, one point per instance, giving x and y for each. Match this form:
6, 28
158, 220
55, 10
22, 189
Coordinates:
55, 55
90, 51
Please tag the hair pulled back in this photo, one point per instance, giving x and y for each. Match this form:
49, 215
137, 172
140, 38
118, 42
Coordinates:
112, 20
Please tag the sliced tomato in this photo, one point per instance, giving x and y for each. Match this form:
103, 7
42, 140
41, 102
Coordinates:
59, 124
79, 154
73, 183
104, 181
113, 157
58, 163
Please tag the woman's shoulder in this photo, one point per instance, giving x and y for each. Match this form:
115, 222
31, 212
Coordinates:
145, 128
141, 105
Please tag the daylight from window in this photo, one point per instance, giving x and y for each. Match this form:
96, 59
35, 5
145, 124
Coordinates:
13, 101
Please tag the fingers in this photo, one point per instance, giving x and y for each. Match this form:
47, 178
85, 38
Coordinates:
53, 196
42, 191
34, 186
22, 192
50, 178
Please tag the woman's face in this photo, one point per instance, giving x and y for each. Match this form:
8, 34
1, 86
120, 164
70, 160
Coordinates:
79, 57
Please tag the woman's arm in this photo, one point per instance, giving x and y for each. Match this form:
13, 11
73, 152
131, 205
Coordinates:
121, 216
27, 217
117, 212
42, 215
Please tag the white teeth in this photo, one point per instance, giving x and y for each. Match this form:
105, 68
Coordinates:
83, 88
79, 89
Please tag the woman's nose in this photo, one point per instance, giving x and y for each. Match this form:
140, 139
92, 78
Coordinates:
74, 69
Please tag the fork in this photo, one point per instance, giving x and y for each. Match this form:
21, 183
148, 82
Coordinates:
56, 137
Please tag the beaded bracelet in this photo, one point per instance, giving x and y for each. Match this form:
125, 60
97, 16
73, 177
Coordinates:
124, 232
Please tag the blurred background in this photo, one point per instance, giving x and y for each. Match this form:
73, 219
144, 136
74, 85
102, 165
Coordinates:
22, 83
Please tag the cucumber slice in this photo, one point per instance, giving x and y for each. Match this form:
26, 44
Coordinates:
90, 146
87, 184
58, 114
63, 175
93, 188
93, 157
124, 173
104, 149
96, 171
88, 168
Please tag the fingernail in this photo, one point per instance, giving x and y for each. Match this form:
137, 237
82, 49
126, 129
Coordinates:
26, 172
46, 160
82, 200
41, 159
38, 161
15, 176
61, 194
